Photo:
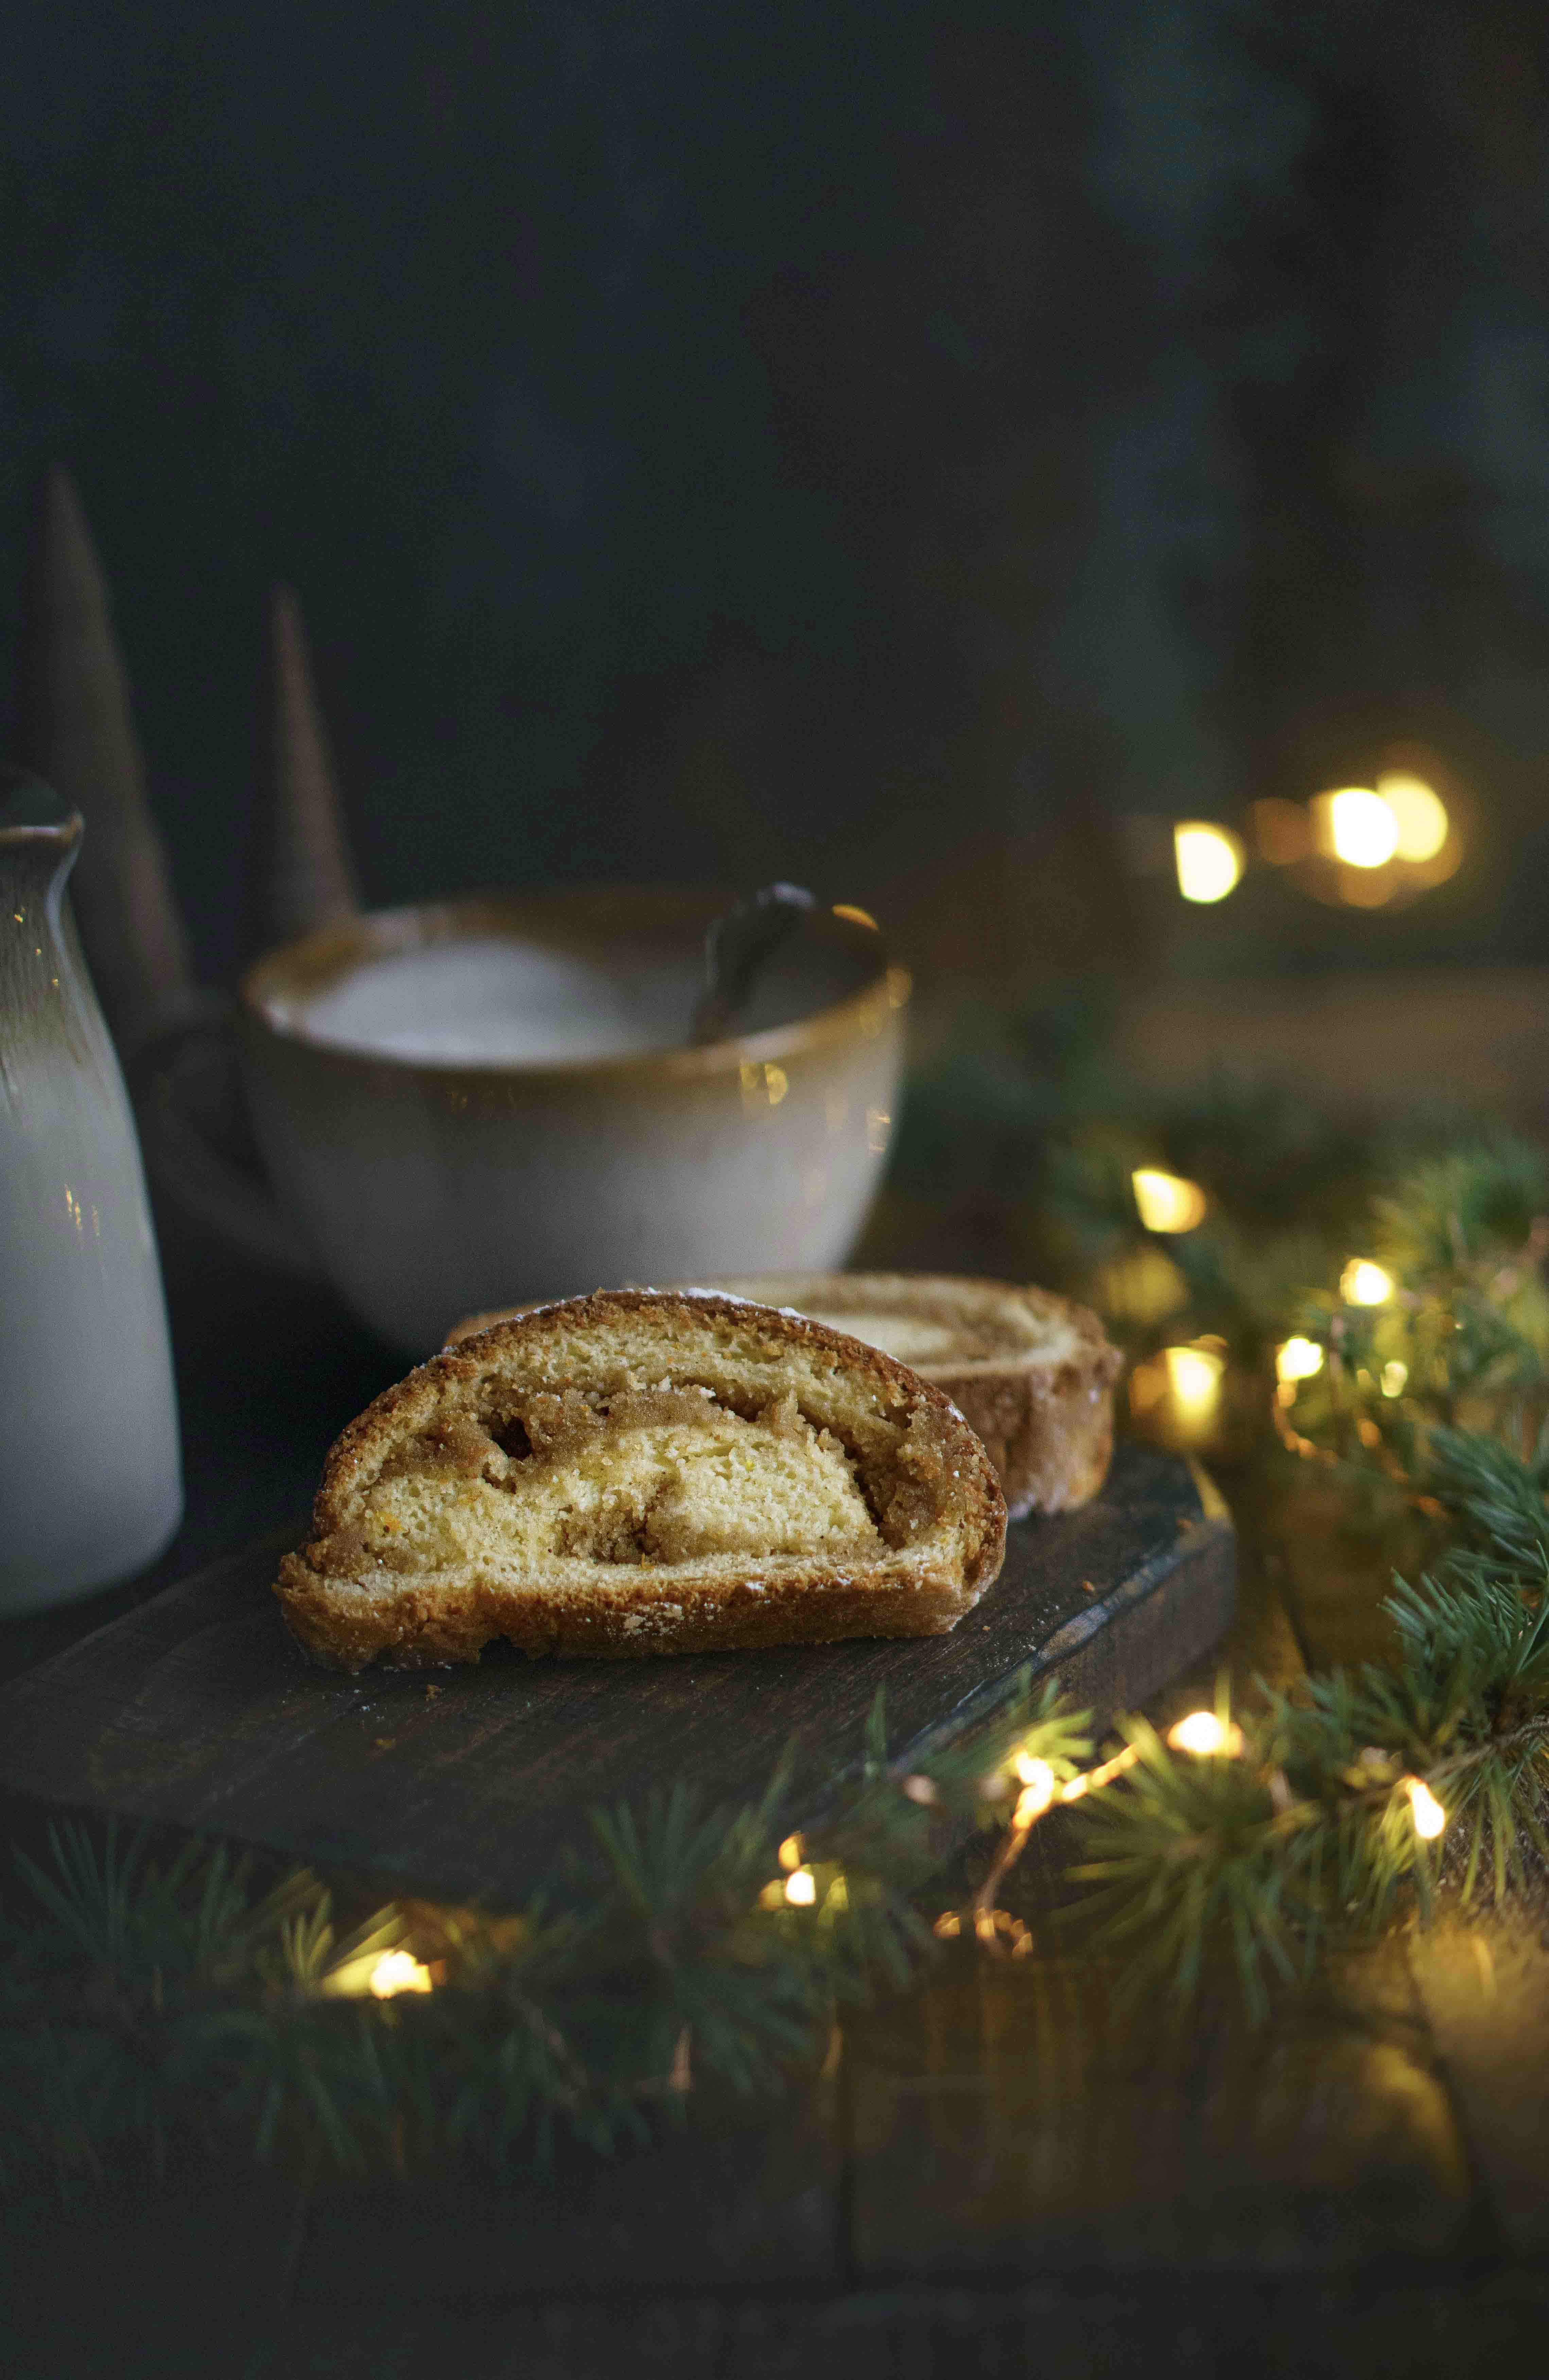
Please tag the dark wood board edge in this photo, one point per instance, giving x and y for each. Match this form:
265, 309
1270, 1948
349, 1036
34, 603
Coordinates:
1160, 1621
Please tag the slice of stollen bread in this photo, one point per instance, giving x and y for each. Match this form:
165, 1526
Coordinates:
645, 1472
1031, 1372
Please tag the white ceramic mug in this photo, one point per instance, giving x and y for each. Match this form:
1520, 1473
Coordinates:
435, 1175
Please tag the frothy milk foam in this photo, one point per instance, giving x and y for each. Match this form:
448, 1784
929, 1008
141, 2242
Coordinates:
486, 1000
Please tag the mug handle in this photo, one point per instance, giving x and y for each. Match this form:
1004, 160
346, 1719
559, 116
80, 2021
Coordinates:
186, 1086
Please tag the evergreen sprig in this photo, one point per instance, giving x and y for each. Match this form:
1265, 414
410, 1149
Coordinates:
1435, 1400
142, 2002
1307, 1834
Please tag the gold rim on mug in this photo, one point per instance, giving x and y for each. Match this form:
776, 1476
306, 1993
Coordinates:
568, 920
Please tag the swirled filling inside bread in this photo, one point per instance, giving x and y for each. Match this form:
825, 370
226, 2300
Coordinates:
664, 1475
639, 1472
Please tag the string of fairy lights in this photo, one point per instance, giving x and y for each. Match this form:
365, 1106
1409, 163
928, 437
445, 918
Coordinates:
1359, 846
807, 1884
1192, 1373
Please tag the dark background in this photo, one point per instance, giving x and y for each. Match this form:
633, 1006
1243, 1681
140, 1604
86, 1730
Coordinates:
884, 446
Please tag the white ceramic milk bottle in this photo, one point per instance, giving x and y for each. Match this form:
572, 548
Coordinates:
91, 1487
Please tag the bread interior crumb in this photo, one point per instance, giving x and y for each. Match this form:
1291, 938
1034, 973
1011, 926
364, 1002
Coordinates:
653, 1478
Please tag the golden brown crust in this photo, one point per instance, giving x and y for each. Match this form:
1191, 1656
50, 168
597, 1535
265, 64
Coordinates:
1045, 1419
1048, 1428
423, 1628
345, 1616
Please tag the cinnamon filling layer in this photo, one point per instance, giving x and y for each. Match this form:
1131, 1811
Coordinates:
649, 1477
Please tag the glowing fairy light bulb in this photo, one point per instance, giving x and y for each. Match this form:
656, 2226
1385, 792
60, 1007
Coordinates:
1419, 813
1365, 1283
1166, 1202
789, 1853
1428, 1813
1360, 828
1298, 1359
395, 1972
1208, 860
1205, 1737
801, 1887
1036, 1780
1194, 1377
1393, 1377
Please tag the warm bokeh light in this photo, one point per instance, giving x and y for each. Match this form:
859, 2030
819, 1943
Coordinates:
1419, 813
1282, 830
1393, 1377
1037, 1790
789, 1853
1429, 1815
1359, 827
1143, 1286
397, 1971
1194, 1377
1208, 860
855, 917
1365, 1283
1298, 1359
1205, 1736
1366, 888
1166, 1202
801, 1889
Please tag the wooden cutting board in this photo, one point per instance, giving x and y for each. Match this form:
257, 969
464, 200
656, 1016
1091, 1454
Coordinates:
196, 1711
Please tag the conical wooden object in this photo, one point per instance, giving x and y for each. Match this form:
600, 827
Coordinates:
301, 876
74, 728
